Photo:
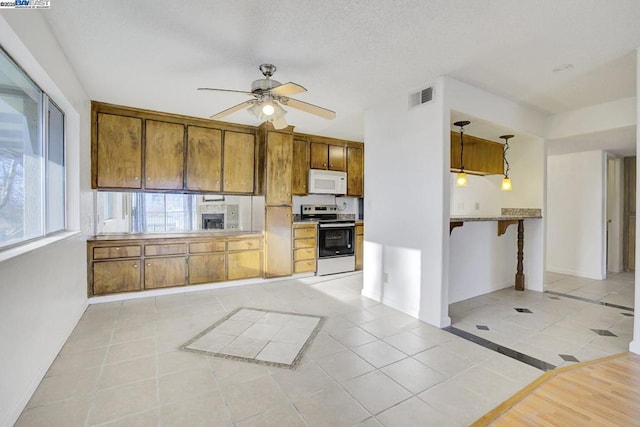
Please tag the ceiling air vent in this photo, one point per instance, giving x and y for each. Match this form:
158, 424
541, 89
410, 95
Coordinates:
422, 97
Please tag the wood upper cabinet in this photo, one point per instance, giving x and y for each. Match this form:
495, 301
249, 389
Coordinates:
204, 159
239, 162
279, 155
355, 172
278, 255
480, 157
328, 156
117, 149
337, 158
300, 168
164, 155
116, 276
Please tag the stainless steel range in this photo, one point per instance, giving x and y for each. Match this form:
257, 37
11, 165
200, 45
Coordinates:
336, 239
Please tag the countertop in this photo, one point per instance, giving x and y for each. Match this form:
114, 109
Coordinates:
185, 235
506, 214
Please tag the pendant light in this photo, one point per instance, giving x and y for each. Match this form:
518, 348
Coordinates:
461, 177
506, 182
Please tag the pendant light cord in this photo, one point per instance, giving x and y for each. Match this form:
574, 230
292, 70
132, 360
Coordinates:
504, 156
461, 150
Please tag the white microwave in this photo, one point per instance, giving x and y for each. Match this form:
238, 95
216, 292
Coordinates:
327, 182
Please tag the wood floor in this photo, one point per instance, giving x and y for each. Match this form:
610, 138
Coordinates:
603, 392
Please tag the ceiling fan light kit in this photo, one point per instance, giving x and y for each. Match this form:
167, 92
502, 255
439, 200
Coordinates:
268, 96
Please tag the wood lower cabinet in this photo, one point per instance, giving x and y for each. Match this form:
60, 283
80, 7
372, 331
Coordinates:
116, 151
165, 272
207, 268
243, 265
134, 264
204, 159
359, 249
304, 247
277, 227
116, 276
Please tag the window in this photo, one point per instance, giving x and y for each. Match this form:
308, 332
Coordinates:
32, 166
162, 212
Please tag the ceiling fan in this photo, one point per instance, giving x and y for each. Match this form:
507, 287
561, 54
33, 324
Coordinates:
268, 97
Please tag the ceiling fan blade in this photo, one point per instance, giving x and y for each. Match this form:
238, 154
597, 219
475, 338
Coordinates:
226, 90
288, 89
310, 108
231, 110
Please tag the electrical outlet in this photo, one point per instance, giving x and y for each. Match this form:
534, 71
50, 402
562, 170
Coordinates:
385, 277
477, 206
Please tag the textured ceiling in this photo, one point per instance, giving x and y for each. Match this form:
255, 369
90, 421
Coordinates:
349, 55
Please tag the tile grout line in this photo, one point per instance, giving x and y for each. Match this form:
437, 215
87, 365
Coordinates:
596, 302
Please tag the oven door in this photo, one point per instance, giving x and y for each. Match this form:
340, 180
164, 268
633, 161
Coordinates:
335, 240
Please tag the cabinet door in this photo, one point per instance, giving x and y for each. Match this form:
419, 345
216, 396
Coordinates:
243, 265
337, 158
359, 250
118, 152
238, 162
278, 255
164, 272
204, 159
279, 158
164, 155
319, 155
116, 276
205, 268
300, 168
355, 172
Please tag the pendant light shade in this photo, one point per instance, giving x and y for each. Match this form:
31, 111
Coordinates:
506, 182
461, 178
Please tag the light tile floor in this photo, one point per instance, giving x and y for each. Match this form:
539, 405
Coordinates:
369, 365
560, 329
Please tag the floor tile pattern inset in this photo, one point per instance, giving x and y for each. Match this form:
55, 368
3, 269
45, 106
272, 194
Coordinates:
260, 336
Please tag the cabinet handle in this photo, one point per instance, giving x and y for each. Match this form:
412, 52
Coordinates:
135, 265
148, 178
148, 265
222, 259
117, 249
165, 246
324, 164
304, 185
218, 182
136, 178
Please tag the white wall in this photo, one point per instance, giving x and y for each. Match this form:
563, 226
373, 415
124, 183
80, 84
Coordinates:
576, 214
43, 291
405, 206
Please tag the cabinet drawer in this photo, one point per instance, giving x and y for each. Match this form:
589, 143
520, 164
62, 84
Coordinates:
304, 243
202, 247
243, 245
304, 253
304, 266
116, 252
168, 249
359, 228
299, 233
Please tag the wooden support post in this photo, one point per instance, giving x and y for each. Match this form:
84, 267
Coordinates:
519, 271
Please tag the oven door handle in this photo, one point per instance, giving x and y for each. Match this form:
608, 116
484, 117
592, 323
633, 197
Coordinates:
338, 225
